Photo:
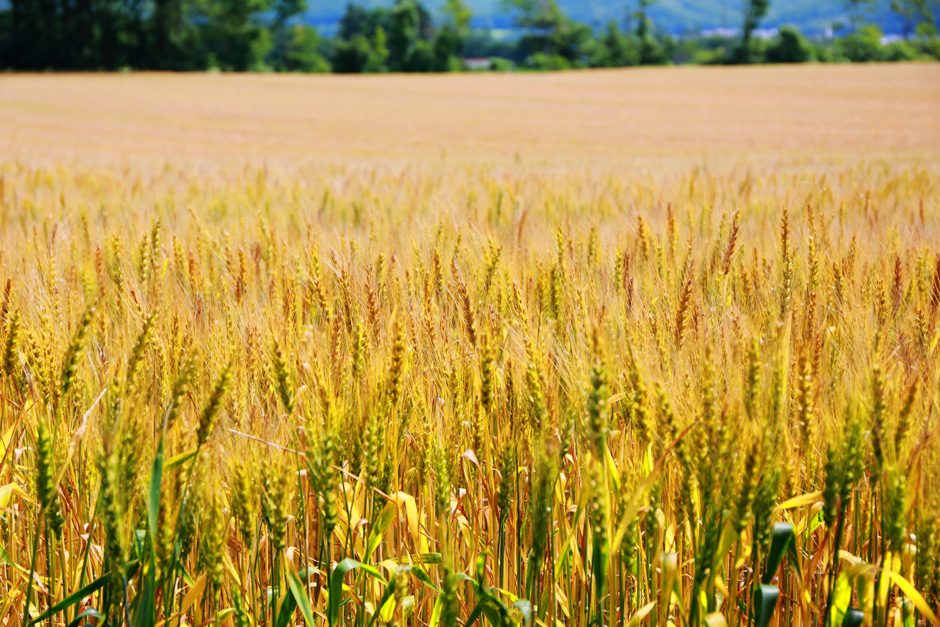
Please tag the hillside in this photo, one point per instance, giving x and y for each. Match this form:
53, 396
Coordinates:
674, 16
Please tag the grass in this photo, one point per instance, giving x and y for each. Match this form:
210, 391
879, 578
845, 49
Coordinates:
462, 392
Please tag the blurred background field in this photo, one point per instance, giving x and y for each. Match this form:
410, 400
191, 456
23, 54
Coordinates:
610, 118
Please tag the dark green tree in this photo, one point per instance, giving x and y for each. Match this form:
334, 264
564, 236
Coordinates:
35, 28
403, 35
552, 39
79, 35
789, 46
235, 34
754, 12
286, 35
917, 16
358, 20
615, 48
302, 53
171, 36
650, 50
857, 10
449, 41
862, 45
350, 56
378, 53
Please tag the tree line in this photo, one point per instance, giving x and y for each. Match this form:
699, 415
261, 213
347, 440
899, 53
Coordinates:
270, 35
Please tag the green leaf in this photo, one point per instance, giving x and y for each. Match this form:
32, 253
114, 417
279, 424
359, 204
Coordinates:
146, 600
425, 558
74, 598
641, 613
794, 556
498, 615
417, 572
288, 604
782, 536
180, 459
488, 604
88, 612
300, 596
421, 575
336, 585
146, 604
853, 618
841, 597
475, 613
435, 613
526, 608
716, 619
156, 483
382, 523
6, 559
907, 613
600, 560
765, 601
919, 602
389, 591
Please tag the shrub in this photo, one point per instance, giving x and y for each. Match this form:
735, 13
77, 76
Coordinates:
863, 45
542, 62
789, 46
899, 51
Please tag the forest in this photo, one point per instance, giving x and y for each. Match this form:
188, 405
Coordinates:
407, 36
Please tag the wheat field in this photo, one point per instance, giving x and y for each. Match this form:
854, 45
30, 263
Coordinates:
652, 347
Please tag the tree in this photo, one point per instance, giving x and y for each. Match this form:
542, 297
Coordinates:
403, 34
351, 56
303, 50
862, 45
754, 11
458, 16
285, 36
235, 34
35, 25
641, 15
379, 53
915, 16
789, 46
170, 36
361, 21
650, 51
79, 35
450, 40
615, 49
552, 35
538, 15
856, 10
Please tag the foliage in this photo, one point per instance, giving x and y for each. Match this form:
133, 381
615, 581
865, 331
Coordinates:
302, 50
862, 45
754, 11
615, 49
789, 46
405, 36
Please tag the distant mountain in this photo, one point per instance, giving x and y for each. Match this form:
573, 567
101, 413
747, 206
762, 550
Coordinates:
673, 16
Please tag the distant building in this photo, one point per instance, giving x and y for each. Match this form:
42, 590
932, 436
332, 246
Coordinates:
478, 63
728, 33
733, 33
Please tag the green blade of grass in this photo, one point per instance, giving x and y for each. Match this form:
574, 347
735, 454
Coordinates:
74, 598
300, 596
